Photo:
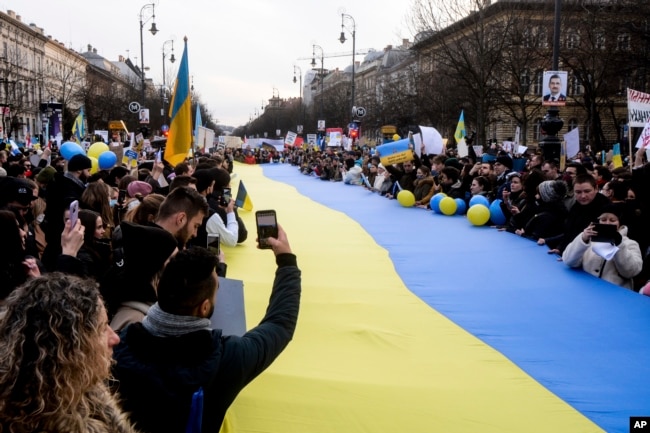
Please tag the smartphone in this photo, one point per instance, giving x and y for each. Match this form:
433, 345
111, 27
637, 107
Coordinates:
213, 243
606, 233
74, 213
226, 196
267, 227
121, 196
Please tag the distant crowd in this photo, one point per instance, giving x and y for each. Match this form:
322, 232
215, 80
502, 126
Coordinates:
559, 207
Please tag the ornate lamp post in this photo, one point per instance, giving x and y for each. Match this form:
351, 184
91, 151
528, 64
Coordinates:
552, 123
313, 64
172, 59
153, 31
342, 39
301, 105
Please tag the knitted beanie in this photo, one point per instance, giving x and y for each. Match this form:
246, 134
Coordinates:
552, 190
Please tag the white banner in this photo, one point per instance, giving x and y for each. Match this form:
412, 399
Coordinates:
432, 140
290, 138
638, 108
572, 139
335, 139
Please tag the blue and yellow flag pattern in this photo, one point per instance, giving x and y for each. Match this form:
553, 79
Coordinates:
78, 128
460, 128
179, 140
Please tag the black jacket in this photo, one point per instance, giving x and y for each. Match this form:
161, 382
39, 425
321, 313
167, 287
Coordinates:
156, 376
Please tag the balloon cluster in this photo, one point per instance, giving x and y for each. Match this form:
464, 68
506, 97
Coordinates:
480, 209
100, 155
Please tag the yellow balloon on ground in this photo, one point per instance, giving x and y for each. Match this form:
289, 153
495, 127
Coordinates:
97, 149
478, 214
406, 198
448, 206
95, 164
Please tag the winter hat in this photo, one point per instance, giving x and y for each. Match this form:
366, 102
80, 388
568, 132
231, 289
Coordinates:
79, 162
146, 248
617, 209
18, 190
552, 190
46, 174
139, 187
453, 162
504, 160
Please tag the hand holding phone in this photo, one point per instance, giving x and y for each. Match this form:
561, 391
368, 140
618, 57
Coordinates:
226, 196
267, 227
213, 243
74, 213
604, 233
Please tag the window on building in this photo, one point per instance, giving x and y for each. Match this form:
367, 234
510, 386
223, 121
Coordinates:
623, 42
573, 124
537, 129
599, 40
542, 37
524, 81
538, 85
572, 40
575, 86
526, 37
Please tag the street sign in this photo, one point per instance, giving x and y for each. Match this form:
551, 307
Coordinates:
359, 111
134, 107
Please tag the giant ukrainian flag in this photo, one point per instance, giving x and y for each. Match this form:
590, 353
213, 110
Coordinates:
417, 322
179, 140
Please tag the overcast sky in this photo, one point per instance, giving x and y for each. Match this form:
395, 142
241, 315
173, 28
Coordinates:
239, 50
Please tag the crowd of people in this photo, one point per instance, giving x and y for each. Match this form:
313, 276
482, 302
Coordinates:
560, 206
107, 288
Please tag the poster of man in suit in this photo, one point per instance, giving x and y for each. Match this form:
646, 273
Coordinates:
555, 85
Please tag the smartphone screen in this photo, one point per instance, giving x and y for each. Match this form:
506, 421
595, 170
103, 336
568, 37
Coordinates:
226, 196
74, 213
606, 233
121, 196
213, 243
267, 227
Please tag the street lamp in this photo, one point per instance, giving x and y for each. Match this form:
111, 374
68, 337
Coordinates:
172, 59
552, 123
342, 39
153, 31
301, 106
313, 64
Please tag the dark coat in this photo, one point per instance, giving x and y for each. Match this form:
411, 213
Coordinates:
156, 376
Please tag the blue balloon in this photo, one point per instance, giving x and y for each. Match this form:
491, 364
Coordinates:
434, 204
107, 160
461, 207
70, 149
479, 199
496, 214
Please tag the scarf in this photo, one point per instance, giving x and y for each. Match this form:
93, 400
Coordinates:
162, 324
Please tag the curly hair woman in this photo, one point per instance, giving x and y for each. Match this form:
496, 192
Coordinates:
55, 356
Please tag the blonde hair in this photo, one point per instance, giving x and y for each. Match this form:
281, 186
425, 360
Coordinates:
54, 358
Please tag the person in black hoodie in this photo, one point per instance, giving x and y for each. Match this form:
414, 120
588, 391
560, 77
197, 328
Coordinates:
163, 361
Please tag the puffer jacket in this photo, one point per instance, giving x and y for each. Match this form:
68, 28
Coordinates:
620, 270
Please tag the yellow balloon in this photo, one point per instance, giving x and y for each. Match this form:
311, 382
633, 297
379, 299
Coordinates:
97, 149
95, 164
396, 137
478, 214
448, 206
406, 198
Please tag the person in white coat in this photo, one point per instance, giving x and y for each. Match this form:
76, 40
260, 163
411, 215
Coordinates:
618, 261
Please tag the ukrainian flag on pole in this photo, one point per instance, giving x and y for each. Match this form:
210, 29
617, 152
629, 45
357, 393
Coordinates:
78, 129
616, 156
460, 128
179, 140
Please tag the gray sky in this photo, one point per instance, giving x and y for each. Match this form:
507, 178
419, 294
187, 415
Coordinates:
239, 50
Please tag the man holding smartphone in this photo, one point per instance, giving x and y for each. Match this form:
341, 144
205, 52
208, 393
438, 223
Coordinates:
162, 361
